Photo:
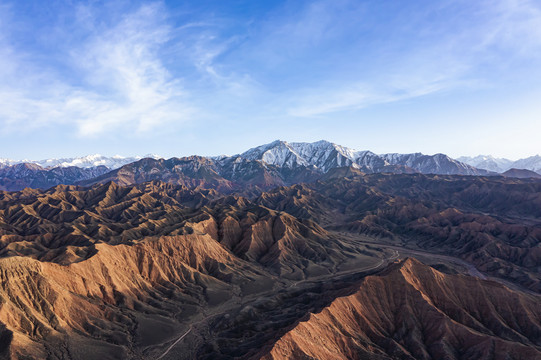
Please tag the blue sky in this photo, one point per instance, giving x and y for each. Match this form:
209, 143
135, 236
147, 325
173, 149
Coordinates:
177, 78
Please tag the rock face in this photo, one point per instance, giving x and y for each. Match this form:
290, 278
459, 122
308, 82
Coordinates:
412, 311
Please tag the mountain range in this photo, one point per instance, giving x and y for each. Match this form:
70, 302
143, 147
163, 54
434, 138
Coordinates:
301, 154
111, 162
500, 165
285, 251
275, 164
265, 166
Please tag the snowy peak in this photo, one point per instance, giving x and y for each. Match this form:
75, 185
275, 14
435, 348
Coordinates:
86, 162
487, 162
501, 165
433, 164
532, 163
278, 153
7, 162
324, 155
112, 162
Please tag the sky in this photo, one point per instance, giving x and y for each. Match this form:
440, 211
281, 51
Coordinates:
177, 78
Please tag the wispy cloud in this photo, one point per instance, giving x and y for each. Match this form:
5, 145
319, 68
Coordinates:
441, 55
121, 83
127, 69
514, 24
355, 97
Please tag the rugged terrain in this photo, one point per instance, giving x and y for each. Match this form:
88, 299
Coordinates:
412, 311
200, 266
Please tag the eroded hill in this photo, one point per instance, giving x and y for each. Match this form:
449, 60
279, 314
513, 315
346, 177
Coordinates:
411, 311
195, 270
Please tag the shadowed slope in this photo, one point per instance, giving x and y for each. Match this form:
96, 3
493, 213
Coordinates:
88, 268
492, 222
106, 303
412, 311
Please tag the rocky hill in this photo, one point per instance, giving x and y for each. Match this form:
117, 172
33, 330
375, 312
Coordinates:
412, 311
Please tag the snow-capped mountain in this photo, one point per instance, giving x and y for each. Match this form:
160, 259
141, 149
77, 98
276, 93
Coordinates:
432, 164
90, 161
266, 166
321, 154
532, 163
8, 162
324, 155
487, 162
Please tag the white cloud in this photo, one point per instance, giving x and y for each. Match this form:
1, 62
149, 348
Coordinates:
120, 83
496, 33
356, 97
115, 78
515, 24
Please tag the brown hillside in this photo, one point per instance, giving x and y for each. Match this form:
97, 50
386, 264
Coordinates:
415, 312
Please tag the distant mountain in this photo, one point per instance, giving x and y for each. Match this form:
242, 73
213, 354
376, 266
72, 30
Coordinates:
89, 161
487, 162
224, 174
439, 164
530, 163
501, 165
324, 155
277, 164
20, 176
7, 162
521, 174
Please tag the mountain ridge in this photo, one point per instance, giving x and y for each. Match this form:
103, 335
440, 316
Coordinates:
88, 161
299, 150
279, 163
501, 165
412, 311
